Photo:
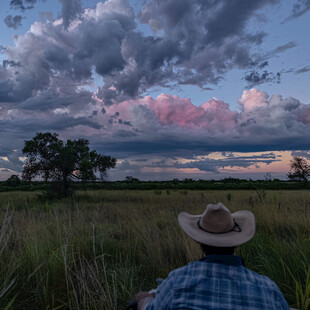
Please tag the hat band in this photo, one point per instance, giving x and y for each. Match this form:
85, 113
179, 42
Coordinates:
236, 228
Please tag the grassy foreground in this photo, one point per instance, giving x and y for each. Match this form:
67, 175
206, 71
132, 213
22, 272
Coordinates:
97, 251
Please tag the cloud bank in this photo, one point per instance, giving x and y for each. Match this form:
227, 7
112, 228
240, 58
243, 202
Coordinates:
48, 77
194, 45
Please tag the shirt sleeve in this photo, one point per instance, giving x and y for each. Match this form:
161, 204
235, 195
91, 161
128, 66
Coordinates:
279, 298
164, 294
282, 303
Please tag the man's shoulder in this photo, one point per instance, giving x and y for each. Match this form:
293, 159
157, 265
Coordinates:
261, 279
237, 272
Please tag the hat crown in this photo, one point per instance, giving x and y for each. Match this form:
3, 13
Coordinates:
216, 219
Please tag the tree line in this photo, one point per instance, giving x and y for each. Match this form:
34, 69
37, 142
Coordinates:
65, 163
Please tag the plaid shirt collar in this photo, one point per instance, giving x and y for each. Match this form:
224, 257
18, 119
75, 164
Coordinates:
232, 260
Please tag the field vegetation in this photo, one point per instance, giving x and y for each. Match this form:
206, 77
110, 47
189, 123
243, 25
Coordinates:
131, 183
97, 250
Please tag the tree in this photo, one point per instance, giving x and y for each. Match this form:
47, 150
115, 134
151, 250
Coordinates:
268, 177
300, 170
52, 159
131, 179
13, 180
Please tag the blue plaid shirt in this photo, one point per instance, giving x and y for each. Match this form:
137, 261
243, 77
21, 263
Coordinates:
217, 282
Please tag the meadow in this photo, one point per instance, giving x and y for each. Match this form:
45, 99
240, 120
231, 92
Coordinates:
99, 249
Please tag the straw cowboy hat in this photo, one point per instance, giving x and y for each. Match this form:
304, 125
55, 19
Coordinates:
218, 227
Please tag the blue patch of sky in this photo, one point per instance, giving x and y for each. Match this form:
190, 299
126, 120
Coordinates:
279, 33
29, 17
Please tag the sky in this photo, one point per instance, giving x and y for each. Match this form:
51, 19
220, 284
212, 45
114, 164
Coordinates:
202, 89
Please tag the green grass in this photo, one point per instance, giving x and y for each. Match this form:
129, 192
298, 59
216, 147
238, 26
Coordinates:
97, 251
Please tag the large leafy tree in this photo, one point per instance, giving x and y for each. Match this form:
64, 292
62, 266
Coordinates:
52, 159
300, 170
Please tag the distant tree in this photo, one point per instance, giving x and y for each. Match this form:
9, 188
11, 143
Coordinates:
131, 179
188, 180
231, 180
52, 159
268, 177
300, 170
13, 180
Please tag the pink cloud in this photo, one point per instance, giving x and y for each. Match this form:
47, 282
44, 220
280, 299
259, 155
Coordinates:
171, 110
219, 114
213, 115
259, 112
253, 99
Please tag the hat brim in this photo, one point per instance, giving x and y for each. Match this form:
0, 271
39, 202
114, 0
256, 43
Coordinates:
244, 218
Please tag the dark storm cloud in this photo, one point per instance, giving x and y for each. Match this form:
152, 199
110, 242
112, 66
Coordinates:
6, 87
4, 151
268, 156
124, 134
52, 99
198, 43
233, 16
202, 39
10, 63
258, 76
255, 78
23, 86
13, 21
29, 126
70, 9
214, 164
202, 164
189, 49
185, 148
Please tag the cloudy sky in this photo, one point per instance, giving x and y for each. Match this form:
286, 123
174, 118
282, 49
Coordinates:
201, 89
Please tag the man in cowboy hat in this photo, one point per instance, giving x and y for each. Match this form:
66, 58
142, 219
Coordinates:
219, 280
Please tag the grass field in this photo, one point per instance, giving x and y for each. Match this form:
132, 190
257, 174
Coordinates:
97, 251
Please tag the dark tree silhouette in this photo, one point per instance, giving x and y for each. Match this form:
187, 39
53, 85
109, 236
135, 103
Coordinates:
300, 170
13, 180
52, 159
130, 179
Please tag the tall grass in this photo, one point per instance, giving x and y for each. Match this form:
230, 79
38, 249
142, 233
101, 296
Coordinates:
97, 251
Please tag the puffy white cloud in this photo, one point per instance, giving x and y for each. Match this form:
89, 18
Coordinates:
253, 99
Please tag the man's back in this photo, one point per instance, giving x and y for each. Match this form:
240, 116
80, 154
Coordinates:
217, 282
